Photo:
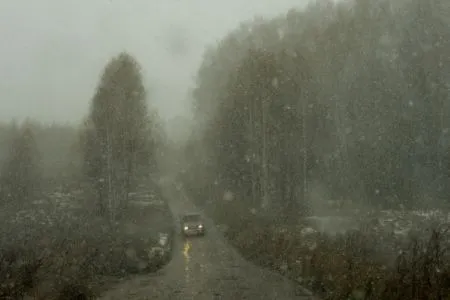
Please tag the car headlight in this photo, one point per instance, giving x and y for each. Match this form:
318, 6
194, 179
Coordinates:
186, 228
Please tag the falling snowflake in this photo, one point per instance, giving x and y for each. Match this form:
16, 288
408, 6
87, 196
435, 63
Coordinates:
275, 82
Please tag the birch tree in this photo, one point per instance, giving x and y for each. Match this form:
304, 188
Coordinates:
117, 136
366, 84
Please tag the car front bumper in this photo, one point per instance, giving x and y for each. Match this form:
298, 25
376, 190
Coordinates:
194, 231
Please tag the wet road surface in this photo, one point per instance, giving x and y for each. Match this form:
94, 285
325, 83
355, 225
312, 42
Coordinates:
205, 268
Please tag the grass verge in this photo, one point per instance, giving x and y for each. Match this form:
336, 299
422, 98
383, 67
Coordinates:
51, 253
346, 266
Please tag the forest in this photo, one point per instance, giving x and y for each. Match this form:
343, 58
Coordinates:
340, 110
344, 101
67, 193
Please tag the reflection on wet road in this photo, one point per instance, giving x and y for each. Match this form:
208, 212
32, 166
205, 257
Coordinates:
187, 271
205, 268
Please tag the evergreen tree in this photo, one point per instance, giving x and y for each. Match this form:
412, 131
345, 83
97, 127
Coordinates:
21, 174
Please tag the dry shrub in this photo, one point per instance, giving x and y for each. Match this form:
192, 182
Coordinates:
75, 291
44, 250
55, 264
345, 267
339, 267
18, 273
422, 272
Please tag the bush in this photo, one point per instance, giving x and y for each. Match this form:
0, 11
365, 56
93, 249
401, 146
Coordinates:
51, 253
77, 261
18, 273
74, 291
346, 266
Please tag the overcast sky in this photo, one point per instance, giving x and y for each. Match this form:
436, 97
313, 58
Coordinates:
53, 51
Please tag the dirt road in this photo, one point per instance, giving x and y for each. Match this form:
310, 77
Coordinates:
205, 268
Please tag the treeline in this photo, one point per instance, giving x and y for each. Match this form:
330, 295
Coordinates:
55, 149
339, 101
20, 175
112, 149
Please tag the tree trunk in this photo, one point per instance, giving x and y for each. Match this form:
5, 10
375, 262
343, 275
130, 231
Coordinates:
265, 198
111, 194
252, 152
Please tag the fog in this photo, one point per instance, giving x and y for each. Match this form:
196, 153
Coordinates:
53, 51
312, 142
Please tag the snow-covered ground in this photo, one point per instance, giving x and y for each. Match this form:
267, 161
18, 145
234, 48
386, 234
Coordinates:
398, 222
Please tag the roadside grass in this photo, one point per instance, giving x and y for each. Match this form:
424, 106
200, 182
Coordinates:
57, 253
345, 266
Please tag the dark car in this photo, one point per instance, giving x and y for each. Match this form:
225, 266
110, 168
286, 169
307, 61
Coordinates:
192, 224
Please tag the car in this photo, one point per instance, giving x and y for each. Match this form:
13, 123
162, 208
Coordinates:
192, 224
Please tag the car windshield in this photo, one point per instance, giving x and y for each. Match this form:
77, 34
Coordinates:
191, 218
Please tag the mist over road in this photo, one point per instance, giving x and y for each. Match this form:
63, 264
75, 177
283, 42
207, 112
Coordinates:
205, 268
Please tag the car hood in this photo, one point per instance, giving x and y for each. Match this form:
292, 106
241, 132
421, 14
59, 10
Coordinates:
192, 223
